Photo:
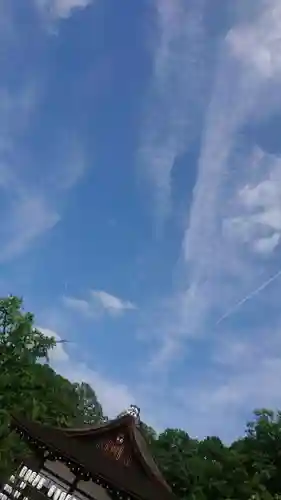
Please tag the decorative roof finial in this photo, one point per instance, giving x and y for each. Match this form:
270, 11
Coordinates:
134, 411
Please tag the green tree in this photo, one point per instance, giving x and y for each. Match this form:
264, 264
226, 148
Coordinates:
174, 451
149, 433
262, 449
53, 399
27, 385
222, 472
89, 408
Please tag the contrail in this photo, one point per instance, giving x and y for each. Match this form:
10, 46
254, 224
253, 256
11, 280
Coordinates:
249, 297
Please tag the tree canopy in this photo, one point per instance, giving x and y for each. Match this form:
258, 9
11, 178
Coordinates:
205, 469
29, 386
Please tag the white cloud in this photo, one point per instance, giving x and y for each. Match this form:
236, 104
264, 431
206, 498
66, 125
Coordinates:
61, 8
31, 201
72, 165
219, 224
233, 221
235, 213
30, 208
233, 352
257, 43
110, 303
267, 245
170, 348
27, 212
177, 93
258, 206
28, 219
58, 354
99, 303
230, 186
78, 305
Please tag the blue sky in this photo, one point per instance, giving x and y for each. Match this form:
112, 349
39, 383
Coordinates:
140, 177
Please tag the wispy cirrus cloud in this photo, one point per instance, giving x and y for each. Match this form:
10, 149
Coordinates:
31, 204
110, 303
244, 374
29, 218
61, 9
178, 84
28, 213
236, 207
230, 181
30, 209
234, 222
99, 303
236, 195
81, 306
260, 221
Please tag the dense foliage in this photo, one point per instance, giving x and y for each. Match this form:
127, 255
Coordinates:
197, 470
29, 386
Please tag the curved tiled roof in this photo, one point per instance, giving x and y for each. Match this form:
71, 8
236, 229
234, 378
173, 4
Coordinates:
81, 447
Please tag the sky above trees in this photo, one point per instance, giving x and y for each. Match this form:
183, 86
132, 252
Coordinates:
140, 199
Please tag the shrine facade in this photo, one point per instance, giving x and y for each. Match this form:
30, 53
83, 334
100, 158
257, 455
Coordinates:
110, 461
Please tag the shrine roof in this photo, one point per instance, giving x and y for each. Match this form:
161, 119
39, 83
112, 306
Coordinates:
115, 451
